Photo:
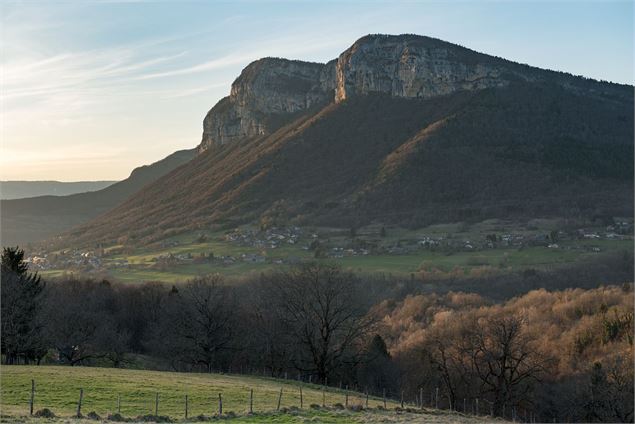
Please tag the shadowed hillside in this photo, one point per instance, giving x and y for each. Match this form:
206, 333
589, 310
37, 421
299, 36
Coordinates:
35, 218
524, 150
417, 131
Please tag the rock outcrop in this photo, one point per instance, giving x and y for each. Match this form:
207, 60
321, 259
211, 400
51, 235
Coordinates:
411, 66
267, 88
270, 91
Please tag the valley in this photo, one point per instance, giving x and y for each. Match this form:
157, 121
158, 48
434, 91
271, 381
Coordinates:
442, 250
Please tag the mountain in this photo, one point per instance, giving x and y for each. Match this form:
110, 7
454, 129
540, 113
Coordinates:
36, 218
399, 129
23, 189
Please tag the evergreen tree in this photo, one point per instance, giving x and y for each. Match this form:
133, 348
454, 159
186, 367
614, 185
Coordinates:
21, 335
13, 260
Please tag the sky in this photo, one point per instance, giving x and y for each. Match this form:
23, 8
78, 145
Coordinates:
92, 89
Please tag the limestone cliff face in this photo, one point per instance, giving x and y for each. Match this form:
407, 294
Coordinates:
269, 91
411, 66
266, 88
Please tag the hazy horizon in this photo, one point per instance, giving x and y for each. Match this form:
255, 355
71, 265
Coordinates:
93, 90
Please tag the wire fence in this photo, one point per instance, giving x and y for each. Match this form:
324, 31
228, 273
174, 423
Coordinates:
170, 406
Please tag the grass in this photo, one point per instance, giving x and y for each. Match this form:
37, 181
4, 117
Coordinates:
399, 264
57, 388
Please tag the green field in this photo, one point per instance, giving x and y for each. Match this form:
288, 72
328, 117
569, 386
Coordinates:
57, 388
142, 265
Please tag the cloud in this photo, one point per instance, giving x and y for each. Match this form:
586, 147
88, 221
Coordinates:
219, 63
173, 94
285, 47
92, 70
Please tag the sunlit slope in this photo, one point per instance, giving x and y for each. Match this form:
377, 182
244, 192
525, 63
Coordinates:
525, 150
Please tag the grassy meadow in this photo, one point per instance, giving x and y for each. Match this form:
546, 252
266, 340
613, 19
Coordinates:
57, 388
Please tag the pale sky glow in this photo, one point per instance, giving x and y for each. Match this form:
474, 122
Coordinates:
92, 89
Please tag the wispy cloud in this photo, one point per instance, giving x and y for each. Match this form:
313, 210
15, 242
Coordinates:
76, 71
174, 94
281, 47
223, 62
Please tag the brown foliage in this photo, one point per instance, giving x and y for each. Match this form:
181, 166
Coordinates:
502, 352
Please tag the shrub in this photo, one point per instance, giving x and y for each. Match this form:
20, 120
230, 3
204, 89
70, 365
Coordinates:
117, 417
92, 415
44, 413
153, 419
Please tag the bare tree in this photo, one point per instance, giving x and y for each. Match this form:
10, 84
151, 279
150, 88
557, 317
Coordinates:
611, 390
320, 307
76, 314
505, 360
198, 321
268, 340
446, 356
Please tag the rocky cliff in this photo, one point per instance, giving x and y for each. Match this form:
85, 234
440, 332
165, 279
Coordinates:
412, 66
270, 92
402, 66
266, 89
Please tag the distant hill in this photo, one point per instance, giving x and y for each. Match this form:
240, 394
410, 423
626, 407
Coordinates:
23, 189
401, 129
36, 218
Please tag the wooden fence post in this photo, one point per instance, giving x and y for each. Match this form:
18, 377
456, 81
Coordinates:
279, 400
384, 392
251, 401
118, 404
421, 397
186, 406
79, 404
301, 400
402, 399
156, 404
220, 404
436, 398
346, 397
32, 397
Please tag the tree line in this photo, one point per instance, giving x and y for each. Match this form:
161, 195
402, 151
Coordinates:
323, 324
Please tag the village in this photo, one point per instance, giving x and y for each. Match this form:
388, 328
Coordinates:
293, 244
